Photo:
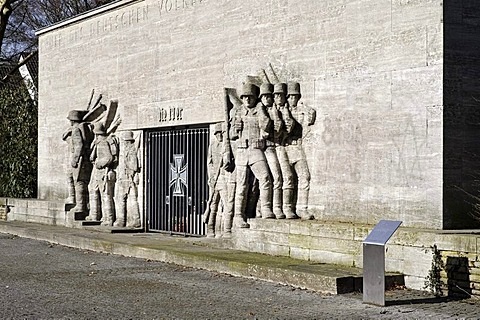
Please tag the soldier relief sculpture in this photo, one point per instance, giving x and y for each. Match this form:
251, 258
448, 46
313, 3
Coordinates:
103, 171
260, 148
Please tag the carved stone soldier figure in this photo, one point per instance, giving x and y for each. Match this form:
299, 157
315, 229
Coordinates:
275, 130
216, 179
127, 211
79, 136
304, 117
103, 157
286, 125
230, 177
249, 128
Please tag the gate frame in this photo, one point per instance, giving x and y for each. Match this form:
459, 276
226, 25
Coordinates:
146, 212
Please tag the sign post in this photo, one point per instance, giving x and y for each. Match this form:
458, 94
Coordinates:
374, 261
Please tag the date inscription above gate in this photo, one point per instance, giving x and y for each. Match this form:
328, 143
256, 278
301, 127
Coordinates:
171, 114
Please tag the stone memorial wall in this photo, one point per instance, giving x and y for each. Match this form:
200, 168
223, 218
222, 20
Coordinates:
373, 70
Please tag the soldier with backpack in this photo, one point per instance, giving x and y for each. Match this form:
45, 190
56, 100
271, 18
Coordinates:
79, 137
128, 211
104, 157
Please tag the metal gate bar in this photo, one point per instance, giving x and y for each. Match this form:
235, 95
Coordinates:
176, 180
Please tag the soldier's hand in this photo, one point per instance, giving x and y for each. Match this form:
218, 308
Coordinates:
74, 164
111, 176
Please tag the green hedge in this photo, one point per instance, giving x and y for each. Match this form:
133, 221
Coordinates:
18, 143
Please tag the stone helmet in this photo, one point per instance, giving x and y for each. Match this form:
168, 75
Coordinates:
266, 88
280, 88
218, 128
249, 89
99, 128
294, 88
128, 136
76, 115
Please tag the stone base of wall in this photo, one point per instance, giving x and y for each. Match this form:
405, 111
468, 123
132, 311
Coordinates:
37, 211
409, 251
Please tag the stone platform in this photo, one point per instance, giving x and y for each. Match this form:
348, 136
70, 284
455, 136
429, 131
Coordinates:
203, 253
409, 251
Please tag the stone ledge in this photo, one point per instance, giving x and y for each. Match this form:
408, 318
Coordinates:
205, 254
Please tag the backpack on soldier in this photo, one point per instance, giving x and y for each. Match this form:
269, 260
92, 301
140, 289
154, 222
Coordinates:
113, 142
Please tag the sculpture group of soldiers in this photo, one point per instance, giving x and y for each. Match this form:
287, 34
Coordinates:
265, 134
103, 173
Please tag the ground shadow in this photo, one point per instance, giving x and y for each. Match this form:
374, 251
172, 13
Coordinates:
458, 286
426, 300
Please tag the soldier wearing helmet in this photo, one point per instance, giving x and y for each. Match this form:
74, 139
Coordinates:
288, 187
127, 208
216, 180
274, 152
104, 158
249, 128
79, 137
303, 116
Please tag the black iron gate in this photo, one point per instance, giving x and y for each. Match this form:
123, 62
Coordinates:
176, 180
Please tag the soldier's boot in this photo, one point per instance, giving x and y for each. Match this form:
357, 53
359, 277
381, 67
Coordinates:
227, 225
240, 218
94, 214
107, 211
302, 205
228, 214
288, 204
71, 192
80, 197
277, 204
211, 224
266, 204
133, 212
120, 214
258, 209
240, 222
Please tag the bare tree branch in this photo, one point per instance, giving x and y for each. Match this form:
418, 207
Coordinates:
14, 69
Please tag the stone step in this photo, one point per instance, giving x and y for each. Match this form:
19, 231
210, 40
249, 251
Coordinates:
202, 253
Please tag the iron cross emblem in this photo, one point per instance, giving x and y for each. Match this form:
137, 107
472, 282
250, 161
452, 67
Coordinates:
178, 174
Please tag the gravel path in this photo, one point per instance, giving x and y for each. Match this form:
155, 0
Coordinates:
39, 280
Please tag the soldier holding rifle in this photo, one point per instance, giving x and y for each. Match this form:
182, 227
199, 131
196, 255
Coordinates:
249, 128
304, 117
216, 180
79, 137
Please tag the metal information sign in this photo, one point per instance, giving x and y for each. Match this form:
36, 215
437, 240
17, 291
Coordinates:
382, 232
374, 261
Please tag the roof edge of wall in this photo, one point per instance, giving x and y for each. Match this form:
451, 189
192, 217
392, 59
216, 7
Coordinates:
88, 14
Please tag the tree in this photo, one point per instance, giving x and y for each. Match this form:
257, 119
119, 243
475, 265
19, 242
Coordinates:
5, 13
27, 16
18, 111
18, 143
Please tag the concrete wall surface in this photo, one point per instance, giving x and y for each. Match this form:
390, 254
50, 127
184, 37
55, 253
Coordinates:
409, 251
36, 211
372, 69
